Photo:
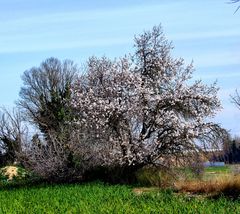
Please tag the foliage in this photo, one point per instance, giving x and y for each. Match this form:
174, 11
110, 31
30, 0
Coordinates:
101, 198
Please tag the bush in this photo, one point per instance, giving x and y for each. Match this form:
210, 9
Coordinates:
15, 175
155, 176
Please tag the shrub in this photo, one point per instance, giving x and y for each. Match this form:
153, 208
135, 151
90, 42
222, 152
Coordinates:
15, 175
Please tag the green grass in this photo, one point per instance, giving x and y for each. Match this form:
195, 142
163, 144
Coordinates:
215, 172
100, 198
218, 169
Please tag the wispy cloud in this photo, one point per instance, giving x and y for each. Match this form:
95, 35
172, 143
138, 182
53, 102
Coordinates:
211, 34
62, 45
212, 58
218, 75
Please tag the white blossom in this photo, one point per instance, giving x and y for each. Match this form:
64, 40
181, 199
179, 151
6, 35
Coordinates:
141, 110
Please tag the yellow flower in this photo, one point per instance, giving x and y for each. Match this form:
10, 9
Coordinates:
10, 172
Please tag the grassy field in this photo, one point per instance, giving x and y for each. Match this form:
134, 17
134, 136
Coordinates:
100, 198
103, 198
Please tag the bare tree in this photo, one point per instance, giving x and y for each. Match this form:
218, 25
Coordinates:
65, 160
236, 99
12, 133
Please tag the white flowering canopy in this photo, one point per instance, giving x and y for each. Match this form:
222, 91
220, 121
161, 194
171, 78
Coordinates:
143, 109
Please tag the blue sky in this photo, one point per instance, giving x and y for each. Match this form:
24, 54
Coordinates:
207, 32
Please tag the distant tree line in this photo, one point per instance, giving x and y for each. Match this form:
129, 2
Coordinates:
229, 153
232, 151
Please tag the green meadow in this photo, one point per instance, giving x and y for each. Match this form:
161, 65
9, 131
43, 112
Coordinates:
103, 198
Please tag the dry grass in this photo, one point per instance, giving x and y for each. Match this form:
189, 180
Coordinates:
227, 186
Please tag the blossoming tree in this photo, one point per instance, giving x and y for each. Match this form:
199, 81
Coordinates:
144, 109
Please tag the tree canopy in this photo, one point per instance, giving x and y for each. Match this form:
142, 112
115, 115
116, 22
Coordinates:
46, 93
143, 110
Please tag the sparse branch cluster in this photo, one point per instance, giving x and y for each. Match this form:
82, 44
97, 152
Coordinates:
12, 135
235, 1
